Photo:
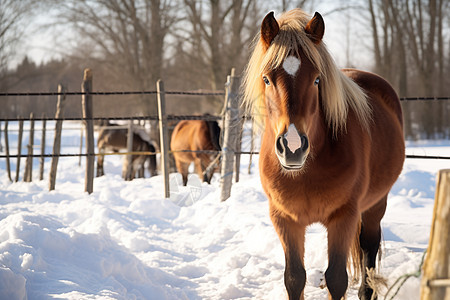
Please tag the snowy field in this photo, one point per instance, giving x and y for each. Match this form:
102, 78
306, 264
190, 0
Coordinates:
125, 241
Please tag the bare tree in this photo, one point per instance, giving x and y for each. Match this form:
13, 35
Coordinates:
220, 32
125, 36
408, 45
12, 13
422, 23
390, 50
290, 4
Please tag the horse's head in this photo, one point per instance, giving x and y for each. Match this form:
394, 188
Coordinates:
293, 82
291, 91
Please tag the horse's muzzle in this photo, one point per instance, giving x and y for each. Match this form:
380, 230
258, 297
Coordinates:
292, 149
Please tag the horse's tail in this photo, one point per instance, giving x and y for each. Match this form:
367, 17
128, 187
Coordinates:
214, 133
355, 263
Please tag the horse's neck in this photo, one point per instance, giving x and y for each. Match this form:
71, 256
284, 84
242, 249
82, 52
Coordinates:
320, 135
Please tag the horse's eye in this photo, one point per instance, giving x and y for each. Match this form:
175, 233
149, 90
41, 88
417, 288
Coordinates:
316, 82
266, 80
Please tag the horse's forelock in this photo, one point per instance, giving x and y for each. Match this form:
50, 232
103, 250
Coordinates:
289, 40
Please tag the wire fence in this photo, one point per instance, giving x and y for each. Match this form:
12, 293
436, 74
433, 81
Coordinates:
112, 153
156, 118
171, 117
19, 94
193, 93
394, 288
199, 93
136, 118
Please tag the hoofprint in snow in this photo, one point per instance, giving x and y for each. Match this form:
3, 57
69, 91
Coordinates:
125, 241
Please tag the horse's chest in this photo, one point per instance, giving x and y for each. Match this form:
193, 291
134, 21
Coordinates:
304, 200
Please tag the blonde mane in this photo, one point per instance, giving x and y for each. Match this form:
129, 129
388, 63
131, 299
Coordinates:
338, 92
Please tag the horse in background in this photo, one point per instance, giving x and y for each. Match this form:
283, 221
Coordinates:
331, 150
115, 139
195, 135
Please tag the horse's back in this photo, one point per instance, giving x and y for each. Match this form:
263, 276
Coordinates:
386, 148
181, 135
114, 138
193, 135
377, 88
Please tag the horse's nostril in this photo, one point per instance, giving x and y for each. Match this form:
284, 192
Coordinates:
279, 145
305, 142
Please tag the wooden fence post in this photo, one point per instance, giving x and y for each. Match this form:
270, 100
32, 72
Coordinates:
163, 135
239, 132
128, 167
19, 149
231, 115
28, 177
42, 160
436, 271
8, 165
57, 139
86, 87
252, 147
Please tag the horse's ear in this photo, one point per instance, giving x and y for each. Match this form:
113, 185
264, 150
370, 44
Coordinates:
269, 29
315, 28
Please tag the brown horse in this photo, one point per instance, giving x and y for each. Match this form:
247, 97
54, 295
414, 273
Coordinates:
332, 148
115, 139
195, 135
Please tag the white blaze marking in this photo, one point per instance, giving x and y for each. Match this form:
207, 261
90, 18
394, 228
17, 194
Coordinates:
291, 65
293, 139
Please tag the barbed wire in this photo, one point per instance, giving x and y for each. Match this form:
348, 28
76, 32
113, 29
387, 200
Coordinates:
424, 98
194, 117
427, 157
210, 93
107, 153
19, 94
137, 118
177, 151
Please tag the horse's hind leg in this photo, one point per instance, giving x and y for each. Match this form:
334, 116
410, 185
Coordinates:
199, 168
152, 165
100, 171
141, 170
183, 169
369, 240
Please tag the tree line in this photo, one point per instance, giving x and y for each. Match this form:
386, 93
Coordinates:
193, 44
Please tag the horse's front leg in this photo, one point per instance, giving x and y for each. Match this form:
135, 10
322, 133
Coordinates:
292, 237
342, 230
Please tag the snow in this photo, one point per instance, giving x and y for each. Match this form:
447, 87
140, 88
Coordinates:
125, 241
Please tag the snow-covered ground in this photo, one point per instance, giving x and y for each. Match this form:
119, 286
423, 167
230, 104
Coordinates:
125, 241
